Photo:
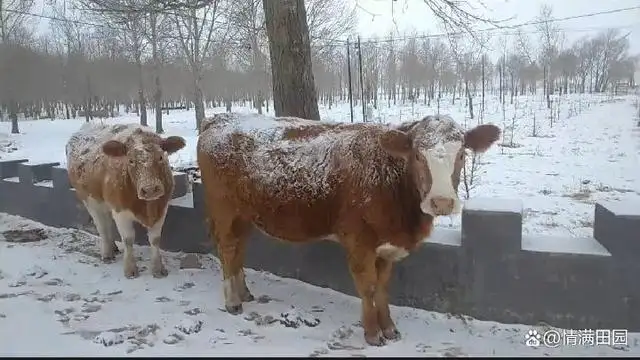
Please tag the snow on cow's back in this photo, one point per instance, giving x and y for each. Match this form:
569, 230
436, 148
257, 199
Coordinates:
261, 128
282, 149
292, 157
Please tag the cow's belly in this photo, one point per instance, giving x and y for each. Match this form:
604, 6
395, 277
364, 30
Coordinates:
293, 224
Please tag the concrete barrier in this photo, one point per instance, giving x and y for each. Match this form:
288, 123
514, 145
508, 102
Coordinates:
487, 270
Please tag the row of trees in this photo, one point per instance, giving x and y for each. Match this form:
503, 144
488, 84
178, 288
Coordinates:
103, 53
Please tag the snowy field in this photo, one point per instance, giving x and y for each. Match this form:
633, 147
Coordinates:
58, 299
590, 153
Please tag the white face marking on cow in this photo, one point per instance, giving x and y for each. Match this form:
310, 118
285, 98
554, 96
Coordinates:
441, 160
391, 252
142, 160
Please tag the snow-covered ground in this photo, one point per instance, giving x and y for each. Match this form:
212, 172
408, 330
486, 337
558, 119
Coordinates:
58, 299
591, 153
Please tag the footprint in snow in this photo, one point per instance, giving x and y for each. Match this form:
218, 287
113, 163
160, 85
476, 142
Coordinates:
90, 308
295, 318
54, 282
109, 338
220, 337
340, 339
172, 339
189, 326
183, 287
17, 283
36, 272
71, 297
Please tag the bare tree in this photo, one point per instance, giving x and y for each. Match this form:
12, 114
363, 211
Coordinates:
549, 37
391, 70
13, 17
196, 29
328, 20
467, 57
12, 33
294, 91
248, 17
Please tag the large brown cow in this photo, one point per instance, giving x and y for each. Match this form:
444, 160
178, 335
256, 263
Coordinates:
373, 188
122, 172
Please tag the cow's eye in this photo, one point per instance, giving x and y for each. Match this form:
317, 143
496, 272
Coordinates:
461, 156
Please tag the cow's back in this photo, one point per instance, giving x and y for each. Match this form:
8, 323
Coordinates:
313, 174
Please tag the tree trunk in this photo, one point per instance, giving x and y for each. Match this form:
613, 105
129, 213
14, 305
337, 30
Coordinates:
13, 115
198, 101
87, 107
157, 97
294, 91
469, 97
142, 103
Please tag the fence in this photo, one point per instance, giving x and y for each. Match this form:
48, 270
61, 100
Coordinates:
488, 270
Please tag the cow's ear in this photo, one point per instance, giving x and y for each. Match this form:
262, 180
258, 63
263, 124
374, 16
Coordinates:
172, 144
114, 148
481, 137
396, 143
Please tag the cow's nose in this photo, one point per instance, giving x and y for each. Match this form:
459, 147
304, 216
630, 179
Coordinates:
152, 191
442, 205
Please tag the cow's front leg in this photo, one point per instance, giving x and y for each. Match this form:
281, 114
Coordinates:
362, 265
389, 330
154, 233
124, 222
101, 218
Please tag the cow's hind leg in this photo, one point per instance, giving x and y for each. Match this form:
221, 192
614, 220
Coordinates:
230, 232
381, 298
124, 222
362, 265
241, 282
100, 214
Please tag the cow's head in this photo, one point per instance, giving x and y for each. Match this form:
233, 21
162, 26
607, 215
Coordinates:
147, 163
434, 149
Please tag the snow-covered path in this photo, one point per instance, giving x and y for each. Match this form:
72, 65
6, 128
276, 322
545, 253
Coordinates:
58, 299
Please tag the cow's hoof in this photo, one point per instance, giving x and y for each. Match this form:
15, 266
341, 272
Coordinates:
248, 297
375, 340
234, 309
108, 259
131, 272
160, 272
391, 333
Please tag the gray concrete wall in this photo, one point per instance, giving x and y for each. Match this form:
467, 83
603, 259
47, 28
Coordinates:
487, 270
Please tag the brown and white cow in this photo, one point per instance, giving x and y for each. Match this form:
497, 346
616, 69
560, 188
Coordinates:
122, 172
373, 188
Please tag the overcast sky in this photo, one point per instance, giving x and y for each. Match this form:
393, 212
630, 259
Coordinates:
416, 15
375, 17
